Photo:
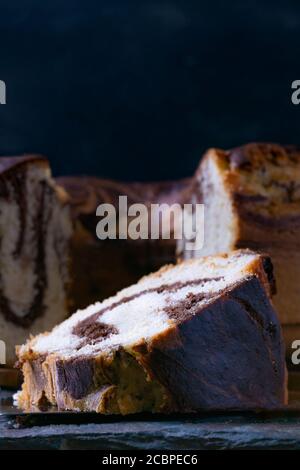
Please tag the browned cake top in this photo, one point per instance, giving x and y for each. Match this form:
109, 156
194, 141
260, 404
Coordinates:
264, 179
255, 156
87, 192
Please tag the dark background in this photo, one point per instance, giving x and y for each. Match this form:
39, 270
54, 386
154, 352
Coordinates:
137, 89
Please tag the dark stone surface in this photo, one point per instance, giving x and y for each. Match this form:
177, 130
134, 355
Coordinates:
249, 431
235, 432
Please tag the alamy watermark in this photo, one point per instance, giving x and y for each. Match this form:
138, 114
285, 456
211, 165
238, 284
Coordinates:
154, 221
2, 92
295, 358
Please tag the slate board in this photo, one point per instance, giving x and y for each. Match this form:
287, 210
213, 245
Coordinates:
276, 430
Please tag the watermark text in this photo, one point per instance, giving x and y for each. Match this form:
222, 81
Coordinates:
152, 221
2, 353
2, 92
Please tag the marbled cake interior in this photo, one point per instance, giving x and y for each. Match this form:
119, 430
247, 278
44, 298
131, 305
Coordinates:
142, 310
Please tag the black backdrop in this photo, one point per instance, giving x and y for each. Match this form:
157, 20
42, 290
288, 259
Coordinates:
137, 89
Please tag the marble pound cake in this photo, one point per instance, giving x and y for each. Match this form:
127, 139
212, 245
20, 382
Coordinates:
198, 335
252, 199
100, 268
35, 229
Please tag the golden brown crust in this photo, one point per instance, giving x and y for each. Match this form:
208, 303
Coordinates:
8, 164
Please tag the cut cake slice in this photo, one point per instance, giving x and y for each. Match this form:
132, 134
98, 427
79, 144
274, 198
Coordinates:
199, 335
251, 196
35, 230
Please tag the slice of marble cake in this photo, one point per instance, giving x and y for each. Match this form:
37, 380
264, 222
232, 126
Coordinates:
35, 228
199, 335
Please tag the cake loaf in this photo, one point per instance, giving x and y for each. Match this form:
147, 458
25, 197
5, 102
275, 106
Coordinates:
35, 229
252, 199
100, 268
199, 335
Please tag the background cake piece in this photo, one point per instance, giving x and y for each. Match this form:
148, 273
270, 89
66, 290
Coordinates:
52, 263
102, 267
199, 335
35, 228
252, 199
